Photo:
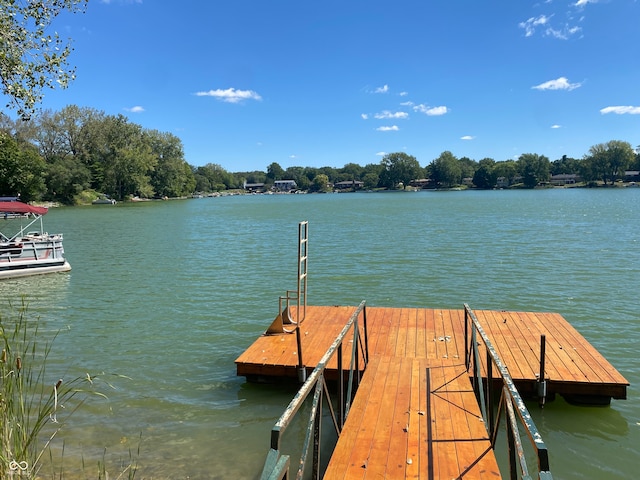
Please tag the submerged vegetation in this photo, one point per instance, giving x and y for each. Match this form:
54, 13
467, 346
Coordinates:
33, 407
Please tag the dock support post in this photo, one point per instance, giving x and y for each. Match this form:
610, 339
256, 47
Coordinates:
542, 383
302, 371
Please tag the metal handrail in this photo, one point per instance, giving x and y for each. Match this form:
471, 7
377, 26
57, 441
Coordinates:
277, 464
510, 402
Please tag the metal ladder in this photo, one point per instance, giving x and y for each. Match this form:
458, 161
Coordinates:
299, 295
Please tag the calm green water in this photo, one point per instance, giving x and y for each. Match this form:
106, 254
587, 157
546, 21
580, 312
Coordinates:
170, 293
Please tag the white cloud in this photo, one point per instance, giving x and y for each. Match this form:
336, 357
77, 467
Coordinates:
403, 94
387, 114
365, 116
530, 25
431, 111
556, 126
136, 109
383, 89
467, 137
392, 128
408, 103
381, 154
231, 95
582, 3
621, 110
562, 34
561, 83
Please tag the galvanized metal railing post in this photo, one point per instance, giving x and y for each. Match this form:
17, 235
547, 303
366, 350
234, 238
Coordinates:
356, 337
317, 435
467, 356
511, 445
277, 465
489, 388
478, 374
366, 336
340, 388
511, 402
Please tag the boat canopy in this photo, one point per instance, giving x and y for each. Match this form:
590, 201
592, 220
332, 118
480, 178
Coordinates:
19, 207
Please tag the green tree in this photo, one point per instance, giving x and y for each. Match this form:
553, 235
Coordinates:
507, 170
468, 167
485, 177
21, 169
32, 58
298, 174
375, 168
330, 172
534, 169
446, 170
636, 162
66, 178
251, 177
217, 177
275, 172
172, 176
608, 161
320, 183
398, 168
202, 182
352, 171
371, 180
565, 165
119, 155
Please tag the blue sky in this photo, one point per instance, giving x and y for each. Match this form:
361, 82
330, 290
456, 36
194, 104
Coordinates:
245, 83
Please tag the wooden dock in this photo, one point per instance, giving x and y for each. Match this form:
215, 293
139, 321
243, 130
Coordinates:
413, 418
415, 414
574, 368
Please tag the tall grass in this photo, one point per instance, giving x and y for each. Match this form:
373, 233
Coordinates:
33, 407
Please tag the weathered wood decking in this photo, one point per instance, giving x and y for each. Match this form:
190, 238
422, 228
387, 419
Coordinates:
573, 366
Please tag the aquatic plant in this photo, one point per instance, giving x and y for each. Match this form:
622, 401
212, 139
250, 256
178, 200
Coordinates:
33, 408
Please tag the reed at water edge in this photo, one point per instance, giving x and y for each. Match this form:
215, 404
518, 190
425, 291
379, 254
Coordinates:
33, 410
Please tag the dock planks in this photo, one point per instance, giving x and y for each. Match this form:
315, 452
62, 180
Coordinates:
413, 418
573, 366
415, 414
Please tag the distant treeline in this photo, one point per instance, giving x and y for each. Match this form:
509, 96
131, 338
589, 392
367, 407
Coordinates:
78, 153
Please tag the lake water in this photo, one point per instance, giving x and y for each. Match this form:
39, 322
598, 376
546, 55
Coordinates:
170, 293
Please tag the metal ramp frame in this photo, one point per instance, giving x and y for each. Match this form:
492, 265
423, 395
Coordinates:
296, 297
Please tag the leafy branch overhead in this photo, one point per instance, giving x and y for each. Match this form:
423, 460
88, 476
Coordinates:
32, 56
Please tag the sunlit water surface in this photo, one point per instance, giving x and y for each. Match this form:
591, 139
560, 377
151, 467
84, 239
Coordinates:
170, 293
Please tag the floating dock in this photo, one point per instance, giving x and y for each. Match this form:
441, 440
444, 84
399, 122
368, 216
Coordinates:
419, 411
421, 385
573, 367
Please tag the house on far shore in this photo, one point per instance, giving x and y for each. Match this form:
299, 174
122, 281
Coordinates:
421, 183
285, 185
254, 187
354, 184
632, 176
564, 179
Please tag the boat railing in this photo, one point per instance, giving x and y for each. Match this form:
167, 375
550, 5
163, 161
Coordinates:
315, 387
510, 402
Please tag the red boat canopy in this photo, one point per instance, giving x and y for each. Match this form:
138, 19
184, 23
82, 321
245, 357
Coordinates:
19, 207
